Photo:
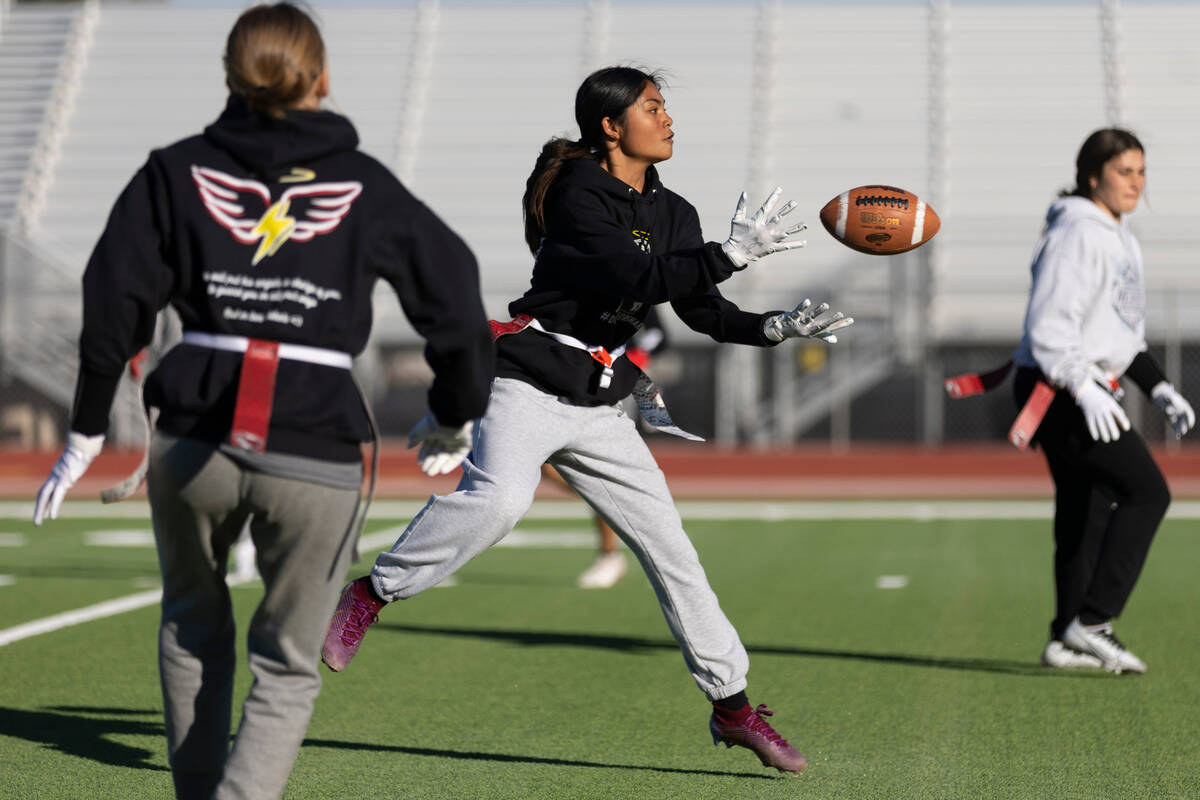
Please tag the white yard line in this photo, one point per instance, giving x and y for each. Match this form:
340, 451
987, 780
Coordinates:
66, 619
106, 609
764, 510
375, 540
140, 537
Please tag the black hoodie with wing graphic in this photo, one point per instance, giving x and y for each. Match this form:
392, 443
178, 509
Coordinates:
275, 228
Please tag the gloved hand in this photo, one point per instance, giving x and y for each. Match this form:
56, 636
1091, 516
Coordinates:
1105, 417
1178, 410
76, 457
802, 323
442, 448
761, 235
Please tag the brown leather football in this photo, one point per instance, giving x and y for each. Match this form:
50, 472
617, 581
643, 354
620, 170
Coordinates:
881, 220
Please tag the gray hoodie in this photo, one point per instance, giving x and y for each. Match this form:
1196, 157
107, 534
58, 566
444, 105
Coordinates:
1087, 307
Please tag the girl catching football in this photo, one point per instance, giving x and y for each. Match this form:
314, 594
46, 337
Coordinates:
610, 241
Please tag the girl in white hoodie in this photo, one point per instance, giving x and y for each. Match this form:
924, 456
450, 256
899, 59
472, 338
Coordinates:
1085, 329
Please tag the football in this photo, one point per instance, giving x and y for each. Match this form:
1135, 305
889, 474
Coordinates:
880, 220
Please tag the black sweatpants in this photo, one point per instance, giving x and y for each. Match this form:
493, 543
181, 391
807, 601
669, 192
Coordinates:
1109, 500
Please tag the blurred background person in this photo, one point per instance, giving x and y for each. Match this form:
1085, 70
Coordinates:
1085, 329
266, 233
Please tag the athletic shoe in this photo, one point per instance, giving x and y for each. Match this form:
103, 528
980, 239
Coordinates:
244, 568
1100, 642
605, 571
1059, 656
747, 727
356, 610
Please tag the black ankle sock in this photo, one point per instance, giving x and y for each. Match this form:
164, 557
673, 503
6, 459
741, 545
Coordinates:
1092, 618
733, 702
375, 594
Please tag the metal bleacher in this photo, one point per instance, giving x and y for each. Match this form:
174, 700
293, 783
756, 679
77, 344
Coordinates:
813, 97
31, 47
979, 107
145, 86
1026, 88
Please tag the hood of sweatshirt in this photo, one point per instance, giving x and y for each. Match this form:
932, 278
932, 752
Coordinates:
270, 146
588, 173
1071, 208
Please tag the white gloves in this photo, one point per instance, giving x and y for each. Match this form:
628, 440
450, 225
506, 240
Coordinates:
76, 457
442, 448
1105, 417
1178, 410
802, 323
763, 234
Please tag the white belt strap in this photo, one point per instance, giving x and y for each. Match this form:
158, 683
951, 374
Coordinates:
605, 356
649, 399
292, 352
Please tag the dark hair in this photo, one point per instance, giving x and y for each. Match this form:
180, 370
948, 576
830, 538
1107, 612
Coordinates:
1097, 150
606, 92
273, 57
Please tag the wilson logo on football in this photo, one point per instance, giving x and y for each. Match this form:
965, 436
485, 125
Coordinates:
246, 209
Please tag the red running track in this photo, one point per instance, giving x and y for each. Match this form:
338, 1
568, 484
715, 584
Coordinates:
698, 471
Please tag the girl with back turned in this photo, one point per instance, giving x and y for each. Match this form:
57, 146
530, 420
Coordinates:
266, 233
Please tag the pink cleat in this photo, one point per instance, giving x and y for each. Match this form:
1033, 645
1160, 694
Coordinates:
357, 609
747, 727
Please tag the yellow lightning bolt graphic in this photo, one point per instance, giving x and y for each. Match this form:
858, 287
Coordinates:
275, 227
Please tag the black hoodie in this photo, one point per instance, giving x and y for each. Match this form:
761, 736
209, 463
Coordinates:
206, 226
609, 254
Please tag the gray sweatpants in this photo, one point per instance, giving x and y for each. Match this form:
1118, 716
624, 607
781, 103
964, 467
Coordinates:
200, 500
600, 454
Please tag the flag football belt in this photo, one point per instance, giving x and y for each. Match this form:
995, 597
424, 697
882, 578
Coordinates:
1031, 414
649, 399
606, 358
256, 385
255, 398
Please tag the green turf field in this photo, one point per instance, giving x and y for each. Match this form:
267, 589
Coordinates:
515, 684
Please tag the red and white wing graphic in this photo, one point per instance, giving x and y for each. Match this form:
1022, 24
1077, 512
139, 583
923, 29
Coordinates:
327, 204
225, 198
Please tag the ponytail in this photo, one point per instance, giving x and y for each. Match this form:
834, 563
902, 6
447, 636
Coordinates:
555, 153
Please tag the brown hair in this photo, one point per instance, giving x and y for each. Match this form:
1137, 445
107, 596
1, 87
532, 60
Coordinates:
273, 57
606, 92
1097, 150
